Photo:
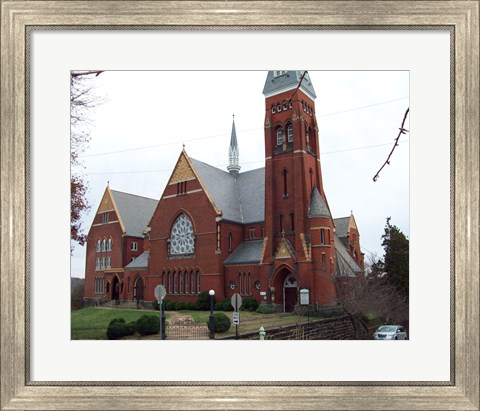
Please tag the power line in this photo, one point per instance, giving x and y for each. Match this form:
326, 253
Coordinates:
226, 134
246, 162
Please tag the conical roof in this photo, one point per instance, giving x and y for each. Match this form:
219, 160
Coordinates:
317, 208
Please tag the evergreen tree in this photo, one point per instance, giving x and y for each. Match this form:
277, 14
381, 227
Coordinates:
396, 262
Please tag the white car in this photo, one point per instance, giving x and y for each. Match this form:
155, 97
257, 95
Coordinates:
390, 332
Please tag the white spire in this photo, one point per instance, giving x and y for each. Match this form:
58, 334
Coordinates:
233, 153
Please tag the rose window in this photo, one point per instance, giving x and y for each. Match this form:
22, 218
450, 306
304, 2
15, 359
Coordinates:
182, 239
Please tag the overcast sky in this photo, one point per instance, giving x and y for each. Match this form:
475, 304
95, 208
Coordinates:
138, 132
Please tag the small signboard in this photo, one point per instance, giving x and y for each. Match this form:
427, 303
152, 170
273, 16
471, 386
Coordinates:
236, 317
160, 292
236, 301
263, 293
304, 296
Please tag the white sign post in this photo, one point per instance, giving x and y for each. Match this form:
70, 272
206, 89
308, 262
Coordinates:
305, 300
236, 302
160, 294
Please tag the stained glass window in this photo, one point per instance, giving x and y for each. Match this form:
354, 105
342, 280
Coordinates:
182, 240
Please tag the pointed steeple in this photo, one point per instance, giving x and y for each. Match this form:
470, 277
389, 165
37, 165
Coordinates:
317, 208
233, 153
279, 81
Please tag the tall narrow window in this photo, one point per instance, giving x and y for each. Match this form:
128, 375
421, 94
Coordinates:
322, 236
218, 237
192, 282
281, 223
103, 245
134, 246
175, 282
163, 279
169, 282
311, 178
290, 133
109, 244
240, 282
292, 221
180, 275
279, 136
105, 217
285, 184
198, 282
99, 245
249, 289
186, 282
324, 263
229, 239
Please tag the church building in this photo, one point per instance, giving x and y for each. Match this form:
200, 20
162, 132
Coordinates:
264, 233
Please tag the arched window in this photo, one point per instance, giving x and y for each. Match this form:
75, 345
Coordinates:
186, 282
198, 282
103, 244
290, 133
109, 244
99, 245
175, 282
279, 136
182, 239
180, 275
229, 241
169, 282
192, 282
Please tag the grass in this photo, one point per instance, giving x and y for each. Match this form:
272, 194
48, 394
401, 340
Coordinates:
91, 323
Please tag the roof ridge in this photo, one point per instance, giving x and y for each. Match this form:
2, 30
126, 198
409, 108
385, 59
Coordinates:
133, 195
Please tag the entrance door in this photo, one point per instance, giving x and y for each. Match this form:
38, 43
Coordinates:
138, 289
289, 293
115, 288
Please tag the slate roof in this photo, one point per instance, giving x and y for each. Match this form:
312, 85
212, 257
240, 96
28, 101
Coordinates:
317, 207
241, 198
135, 211
341, 226
346, 265
288, 81
249, 252
141, 262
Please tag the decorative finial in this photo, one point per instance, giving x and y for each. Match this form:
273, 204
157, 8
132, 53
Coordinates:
183, 146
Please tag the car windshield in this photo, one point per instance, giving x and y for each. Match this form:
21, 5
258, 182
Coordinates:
387, 329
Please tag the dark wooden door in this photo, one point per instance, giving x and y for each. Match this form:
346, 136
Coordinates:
290, 298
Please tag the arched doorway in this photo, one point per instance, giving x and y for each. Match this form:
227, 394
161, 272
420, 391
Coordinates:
138, 289
289, 293
115, 288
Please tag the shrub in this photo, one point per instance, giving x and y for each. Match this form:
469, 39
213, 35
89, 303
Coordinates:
191, 305
180, 305
148, 324
131, 328
265, 309
250, 304
227, 304
155, 305
203, 301
221, 321
169, 305
116, 329
219, 306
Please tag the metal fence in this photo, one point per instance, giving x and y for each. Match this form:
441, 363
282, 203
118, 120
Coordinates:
193, 331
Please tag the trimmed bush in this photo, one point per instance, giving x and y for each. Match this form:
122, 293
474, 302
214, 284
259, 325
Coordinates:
203, 301
116, 329
169, 305
250, 304
191, 305
265, 309
227, 304
148, 324
155, 305
180, 305
131, 328
221, 321
219, 306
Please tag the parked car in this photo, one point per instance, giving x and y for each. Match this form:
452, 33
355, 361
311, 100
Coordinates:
390, 332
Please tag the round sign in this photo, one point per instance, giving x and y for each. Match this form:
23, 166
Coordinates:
160, 292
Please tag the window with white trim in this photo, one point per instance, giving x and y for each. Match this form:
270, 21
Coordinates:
109, 244
279, 136
134, 246
99, 245
290, 133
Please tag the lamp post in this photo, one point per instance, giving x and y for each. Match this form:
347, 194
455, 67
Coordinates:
212, 320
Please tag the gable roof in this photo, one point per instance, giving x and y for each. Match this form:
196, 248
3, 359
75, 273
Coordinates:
249, 252
241, 198
346, 265
134, 211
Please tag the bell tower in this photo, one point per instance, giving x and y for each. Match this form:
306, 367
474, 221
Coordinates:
297, 216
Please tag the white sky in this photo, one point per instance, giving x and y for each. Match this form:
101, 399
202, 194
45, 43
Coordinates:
137, 136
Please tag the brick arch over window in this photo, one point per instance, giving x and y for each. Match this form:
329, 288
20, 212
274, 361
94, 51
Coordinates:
182, 238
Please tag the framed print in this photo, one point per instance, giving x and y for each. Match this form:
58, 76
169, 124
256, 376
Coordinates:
437, 42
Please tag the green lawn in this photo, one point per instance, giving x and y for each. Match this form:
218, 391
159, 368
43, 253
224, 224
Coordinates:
91, 323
